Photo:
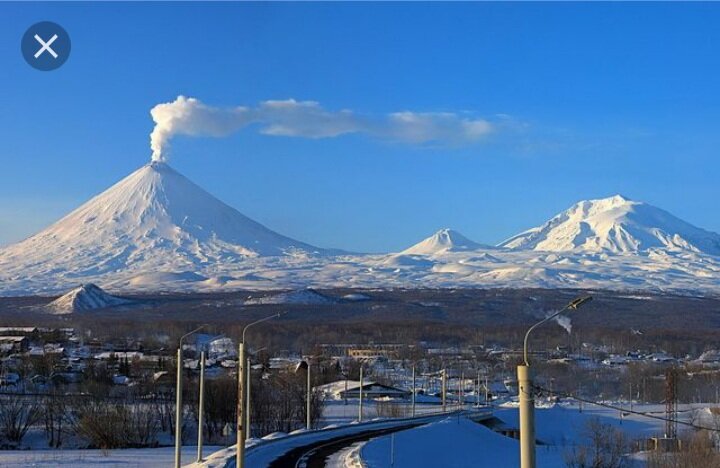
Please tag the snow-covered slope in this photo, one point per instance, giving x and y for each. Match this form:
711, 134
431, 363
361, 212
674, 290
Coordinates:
83, 298
445, 240
615, 225
301, 296
153, 220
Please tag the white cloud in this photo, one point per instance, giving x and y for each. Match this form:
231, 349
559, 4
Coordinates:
308, 119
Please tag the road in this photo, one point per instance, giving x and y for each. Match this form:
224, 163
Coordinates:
315, 455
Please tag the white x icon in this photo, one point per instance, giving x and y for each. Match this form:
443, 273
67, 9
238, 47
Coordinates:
46, 46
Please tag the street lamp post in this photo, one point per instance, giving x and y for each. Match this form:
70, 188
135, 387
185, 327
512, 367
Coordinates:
248, 400
201, 407
443, 388
309, 398
248, 396
308, 393
413, 391
360, 404
525, 392
178, 396
240, 440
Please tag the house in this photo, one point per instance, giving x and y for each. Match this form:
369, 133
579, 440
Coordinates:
373, 390
14, 344
164, 378
18, 331
351, 389
9, 378
119, 379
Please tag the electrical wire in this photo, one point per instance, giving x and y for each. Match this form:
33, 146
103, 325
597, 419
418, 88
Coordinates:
625, 410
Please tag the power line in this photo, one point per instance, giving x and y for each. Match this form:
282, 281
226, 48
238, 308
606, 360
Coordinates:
629, 411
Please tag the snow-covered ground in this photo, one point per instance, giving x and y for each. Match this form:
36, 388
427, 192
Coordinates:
261, 452
453, 442
446, 440
125, 458
459, 442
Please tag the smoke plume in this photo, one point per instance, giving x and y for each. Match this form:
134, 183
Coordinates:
564, 322
307, 119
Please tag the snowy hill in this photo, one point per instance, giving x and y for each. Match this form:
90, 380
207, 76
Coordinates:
83, 298
153, 220
445, 240
615, 225
301, 296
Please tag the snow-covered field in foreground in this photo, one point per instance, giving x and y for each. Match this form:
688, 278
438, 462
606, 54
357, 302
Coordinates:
458, 442
126, 458
454, 442
448, 442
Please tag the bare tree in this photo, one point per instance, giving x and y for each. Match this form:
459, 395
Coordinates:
606, 448
54, 414
17, 414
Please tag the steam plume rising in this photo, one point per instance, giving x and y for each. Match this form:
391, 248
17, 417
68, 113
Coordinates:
564, 322
307, 119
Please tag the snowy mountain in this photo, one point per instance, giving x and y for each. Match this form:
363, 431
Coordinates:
445, 240
615, 225
83, 298
153, 220
157, 231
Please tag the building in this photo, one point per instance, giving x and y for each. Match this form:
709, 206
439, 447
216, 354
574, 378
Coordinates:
14, 344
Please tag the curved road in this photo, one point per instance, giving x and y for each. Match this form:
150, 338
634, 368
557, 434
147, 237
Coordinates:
314, 455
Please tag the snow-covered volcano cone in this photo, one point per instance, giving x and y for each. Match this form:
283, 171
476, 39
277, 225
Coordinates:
153, 220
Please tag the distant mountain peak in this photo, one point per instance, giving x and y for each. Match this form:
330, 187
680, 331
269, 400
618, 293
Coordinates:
84, 298
444, 240
155, 218
618, 225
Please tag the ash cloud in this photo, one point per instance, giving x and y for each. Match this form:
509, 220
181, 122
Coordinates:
308, 119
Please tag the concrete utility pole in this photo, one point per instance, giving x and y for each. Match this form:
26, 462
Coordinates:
308, 424
178, 407
360, 406
413, 392
443, 388
526, 395
240, 440
248, 402
178, 397
487, 390
201, 407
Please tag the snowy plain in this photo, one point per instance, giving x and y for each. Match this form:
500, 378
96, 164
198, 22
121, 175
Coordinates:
125, 458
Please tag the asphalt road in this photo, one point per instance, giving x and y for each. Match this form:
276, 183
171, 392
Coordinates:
315, 455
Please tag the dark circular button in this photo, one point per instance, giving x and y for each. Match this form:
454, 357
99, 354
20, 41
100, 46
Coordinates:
45, 46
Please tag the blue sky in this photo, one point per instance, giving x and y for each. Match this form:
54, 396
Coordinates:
585, 100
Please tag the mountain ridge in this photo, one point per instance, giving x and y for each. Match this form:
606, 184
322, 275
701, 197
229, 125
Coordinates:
155, 230
617, 225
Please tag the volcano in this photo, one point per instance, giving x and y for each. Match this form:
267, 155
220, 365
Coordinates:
615, 225
444, 240
155, 219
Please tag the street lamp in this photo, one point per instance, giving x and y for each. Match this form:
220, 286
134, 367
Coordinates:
248, 399
201, 408
306, 366
178, 396
525, 391
240, 446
